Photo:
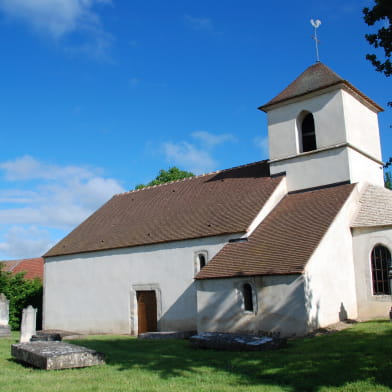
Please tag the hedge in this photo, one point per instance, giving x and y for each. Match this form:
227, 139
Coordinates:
21, 292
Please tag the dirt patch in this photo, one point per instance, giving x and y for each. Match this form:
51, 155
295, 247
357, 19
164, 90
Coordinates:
340, 326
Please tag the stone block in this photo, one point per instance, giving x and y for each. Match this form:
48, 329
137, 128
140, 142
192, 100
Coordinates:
5, 331
4, 317
28, 325
167, 335
56, 355
236, 342
46, 337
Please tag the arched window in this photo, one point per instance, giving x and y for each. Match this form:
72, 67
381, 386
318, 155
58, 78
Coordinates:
308, 133
202, 260
381, 270
247, 292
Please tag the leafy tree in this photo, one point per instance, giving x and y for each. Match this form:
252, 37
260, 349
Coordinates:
21, 292
388, 180
382, 39
382, 10
172, 174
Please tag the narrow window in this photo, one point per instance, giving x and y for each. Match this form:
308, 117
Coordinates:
381, 270
248, 297
308, 133
202, 260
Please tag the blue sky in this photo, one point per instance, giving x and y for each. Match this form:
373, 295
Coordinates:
98, 95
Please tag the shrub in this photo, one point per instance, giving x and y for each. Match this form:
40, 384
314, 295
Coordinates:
21, 292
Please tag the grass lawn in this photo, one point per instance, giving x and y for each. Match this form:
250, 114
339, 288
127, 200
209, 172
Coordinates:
356, 359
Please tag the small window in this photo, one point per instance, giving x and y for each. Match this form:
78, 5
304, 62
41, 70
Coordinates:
381, 270
200, 260
248, 297
308, 133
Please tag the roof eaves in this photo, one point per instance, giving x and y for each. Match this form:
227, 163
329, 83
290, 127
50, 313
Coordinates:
347, 86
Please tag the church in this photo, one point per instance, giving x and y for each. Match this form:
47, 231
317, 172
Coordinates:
284, 246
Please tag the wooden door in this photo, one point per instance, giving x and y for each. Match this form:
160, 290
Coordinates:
146, 311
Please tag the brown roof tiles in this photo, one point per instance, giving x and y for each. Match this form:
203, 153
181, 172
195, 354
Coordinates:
213, 204
285, 240
34, 268
316, 77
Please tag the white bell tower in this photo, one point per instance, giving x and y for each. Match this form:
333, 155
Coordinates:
323, 131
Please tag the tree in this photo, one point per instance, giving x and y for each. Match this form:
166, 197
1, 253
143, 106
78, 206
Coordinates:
381, 11
21, 292
388, 180
172, 174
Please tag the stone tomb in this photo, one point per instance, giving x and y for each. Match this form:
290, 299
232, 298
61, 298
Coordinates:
236, 342
4, 316
56, 355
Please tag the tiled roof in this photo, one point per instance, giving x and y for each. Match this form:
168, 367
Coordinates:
213, 204
285, 240
316, 77
375, 207
34, 268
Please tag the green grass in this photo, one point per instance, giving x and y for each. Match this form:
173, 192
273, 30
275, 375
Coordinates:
356, 359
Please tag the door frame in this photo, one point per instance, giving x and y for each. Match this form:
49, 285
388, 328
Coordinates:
133, 319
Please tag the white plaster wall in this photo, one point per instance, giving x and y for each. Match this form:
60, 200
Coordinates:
364, 169
279, 305
327, 110
93, 292
339, 118
330, 274
278, 194
364, 240
361, 126
314, 169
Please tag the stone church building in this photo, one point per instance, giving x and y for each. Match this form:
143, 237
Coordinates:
286, 245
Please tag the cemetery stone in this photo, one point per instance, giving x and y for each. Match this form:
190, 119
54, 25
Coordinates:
29, 322
4, 316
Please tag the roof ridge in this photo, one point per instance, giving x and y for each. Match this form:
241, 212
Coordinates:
189, 178
317, 77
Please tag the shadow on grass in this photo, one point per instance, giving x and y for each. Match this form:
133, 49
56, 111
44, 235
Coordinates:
357, 354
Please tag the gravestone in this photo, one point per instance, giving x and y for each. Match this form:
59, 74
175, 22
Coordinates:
29, 322
56, 355
236, 342
4, 316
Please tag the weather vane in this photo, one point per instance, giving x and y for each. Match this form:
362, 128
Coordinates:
316, 24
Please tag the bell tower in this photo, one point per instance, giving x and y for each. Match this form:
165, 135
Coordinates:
323, 131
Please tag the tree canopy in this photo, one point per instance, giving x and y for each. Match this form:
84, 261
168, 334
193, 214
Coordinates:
382, 39
172, 174
21, 292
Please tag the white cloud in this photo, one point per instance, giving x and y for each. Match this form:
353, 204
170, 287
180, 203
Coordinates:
20, 242
200, 24
58, 18
28, 168
57, 196
262, 144
196, 157
210, 140
190, 157
133, 82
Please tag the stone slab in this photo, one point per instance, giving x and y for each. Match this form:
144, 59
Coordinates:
5, 331
167, 335
56, 355
46, 337
236, 342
